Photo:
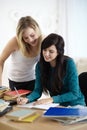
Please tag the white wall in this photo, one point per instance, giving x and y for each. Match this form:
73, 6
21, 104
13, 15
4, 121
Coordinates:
11, 10
73, 26
66, 17
77, 28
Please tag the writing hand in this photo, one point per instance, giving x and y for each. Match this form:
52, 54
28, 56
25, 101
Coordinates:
22, 100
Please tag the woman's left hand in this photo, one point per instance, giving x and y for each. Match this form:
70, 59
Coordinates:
44, 101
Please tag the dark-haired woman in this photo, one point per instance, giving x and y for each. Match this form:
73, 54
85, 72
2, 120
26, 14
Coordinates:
56, 74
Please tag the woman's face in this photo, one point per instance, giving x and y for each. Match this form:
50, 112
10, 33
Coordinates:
50, 54
30, 36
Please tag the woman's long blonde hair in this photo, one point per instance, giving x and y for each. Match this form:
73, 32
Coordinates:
24, 23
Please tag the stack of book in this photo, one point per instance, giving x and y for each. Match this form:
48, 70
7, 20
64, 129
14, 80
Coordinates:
22, 115
12, 95
67, 115
3, 89
3, 105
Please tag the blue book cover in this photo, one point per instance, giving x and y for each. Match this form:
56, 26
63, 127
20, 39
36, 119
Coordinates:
65, 112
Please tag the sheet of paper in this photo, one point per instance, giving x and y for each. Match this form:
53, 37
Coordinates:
41, 106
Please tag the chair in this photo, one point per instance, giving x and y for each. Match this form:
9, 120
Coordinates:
83, 84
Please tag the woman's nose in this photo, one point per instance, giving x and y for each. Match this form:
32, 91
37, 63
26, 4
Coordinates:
47, 53
30, 40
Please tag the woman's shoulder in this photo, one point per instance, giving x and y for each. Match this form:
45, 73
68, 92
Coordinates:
38, 65
12, 44
70, 63
69, 59
9, 48
43, 36
38, 68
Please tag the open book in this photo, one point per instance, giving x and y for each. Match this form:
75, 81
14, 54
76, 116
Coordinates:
41, 106
66, 115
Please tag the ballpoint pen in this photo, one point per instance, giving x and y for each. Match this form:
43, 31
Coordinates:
17, 92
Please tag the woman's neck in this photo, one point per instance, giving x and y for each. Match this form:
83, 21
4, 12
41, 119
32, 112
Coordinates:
53, 63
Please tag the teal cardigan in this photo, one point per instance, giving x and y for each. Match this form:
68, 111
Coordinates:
71, 93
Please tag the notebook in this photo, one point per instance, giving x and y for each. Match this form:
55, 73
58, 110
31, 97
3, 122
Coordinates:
65, 112
30, 118
67, 115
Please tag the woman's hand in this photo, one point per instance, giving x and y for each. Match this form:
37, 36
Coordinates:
22, 100
44, 101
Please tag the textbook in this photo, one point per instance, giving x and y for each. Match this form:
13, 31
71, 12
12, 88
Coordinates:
29, 118
20, 114
11, 95
2, 102
7, 109
14, 93
3, 105
3, 89
67, 115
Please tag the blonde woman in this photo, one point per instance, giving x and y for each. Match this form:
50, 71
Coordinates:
24, 50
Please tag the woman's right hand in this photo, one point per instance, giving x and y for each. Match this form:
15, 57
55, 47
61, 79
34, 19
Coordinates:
22, 100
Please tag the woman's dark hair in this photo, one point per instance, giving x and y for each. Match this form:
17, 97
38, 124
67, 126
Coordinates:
59, 70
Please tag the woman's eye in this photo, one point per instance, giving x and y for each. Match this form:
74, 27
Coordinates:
51, 51
25, 38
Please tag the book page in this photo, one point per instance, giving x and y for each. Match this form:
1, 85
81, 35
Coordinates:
41, 106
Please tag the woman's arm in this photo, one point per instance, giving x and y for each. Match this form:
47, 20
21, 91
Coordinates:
8, 49
71, 88
37, 92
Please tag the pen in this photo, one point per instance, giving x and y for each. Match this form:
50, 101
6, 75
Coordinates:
17, 92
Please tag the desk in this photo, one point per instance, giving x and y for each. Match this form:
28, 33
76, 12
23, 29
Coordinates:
39, 124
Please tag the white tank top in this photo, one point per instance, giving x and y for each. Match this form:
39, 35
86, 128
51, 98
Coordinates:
21, 68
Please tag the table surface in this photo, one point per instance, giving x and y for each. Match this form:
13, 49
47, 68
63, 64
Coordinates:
40, 123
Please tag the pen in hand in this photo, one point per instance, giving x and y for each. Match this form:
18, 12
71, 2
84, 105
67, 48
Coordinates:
18, 95
20, 100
